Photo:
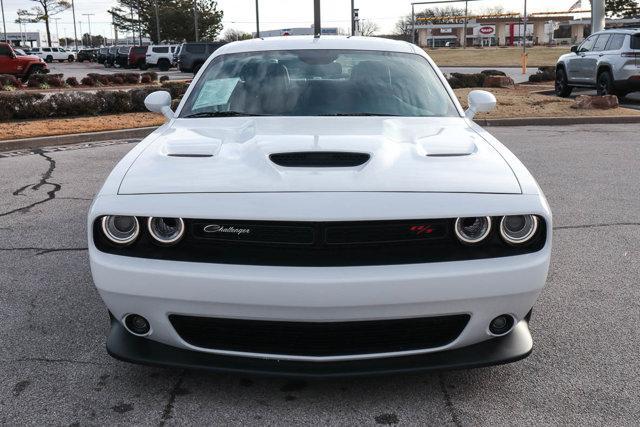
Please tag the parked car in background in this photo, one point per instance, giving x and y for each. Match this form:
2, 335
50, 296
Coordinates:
137, 57
87, 55
193, 55
21, 66
160, 56
50, 54
122, 56
101, 55
608, 61
110, 60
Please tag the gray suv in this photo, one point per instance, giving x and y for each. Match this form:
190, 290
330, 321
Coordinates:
193, 55
608, 61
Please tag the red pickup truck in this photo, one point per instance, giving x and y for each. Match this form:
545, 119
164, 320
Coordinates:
21, 66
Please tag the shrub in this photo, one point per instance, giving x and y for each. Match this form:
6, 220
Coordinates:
54, 80
469, 80
454, 82
113, 102
72, 81
164, 79
132, 78
9, 80
88, 81
102, 79
36, 80
145, 79
176, 89
22, 105
493, 73
153, 76
117, 80
544, 74
66, 104
138, 96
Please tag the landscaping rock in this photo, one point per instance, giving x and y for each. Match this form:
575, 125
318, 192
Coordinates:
589, 102
498, 81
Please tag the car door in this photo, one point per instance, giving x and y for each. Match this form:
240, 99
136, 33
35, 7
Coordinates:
6, 59
593, 58
576, 64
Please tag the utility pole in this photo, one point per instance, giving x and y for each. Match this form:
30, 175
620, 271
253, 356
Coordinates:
353, 19
257, 21
466, 18
195, 17
413, 23
4, 24
317, 29
157, 22
57, 33
524, 41
75, 33
89, 15
81, 33
597, 15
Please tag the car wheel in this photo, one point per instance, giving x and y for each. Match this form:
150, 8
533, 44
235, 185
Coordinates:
142, 65
605, 84
49, 58
164, 65
70, 58
562, 87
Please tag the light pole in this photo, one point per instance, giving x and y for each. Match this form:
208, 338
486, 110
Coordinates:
353, 19
257, 21
195, 17
4, 24
317, 28
57, 33
89, 15
157, 22
413, 23
75, 33
524, 41
466, 15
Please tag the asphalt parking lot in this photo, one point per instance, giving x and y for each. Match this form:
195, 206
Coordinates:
585, 368
81, 69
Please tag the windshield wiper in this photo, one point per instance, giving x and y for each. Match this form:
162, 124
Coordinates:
220, 114
359, 114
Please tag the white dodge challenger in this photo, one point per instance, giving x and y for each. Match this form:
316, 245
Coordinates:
320, 207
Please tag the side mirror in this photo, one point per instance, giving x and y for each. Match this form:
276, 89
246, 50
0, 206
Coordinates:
574, 48
480, 101
159, 102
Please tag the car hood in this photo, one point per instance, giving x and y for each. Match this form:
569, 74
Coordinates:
233, 155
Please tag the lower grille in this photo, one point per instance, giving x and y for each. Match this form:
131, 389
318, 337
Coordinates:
319, 338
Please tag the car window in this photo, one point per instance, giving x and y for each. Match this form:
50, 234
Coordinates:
61, 49
195, 48
212, 47
635, 41
587, 45
318, 82
54, 49
616, 41
46, 49
5, 50
600, 44
164, 49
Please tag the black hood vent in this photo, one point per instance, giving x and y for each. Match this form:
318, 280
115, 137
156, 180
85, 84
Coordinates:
319, 159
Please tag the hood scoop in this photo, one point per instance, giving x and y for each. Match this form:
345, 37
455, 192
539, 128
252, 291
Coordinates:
201, 148
319, 159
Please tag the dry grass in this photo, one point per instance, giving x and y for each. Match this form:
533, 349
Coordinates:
495, 56
521, 102
51, 127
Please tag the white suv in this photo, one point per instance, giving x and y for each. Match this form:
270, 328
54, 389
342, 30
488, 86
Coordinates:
608, 60
50, 54
161, 56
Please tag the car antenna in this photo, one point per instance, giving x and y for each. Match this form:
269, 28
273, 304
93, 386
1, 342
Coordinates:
317, 30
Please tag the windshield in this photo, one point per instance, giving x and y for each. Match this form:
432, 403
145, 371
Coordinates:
319, 83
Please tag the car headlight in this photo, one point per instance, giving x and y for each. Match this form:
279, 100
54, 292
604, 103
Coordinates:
121, 230
518, 229
166, 231
472, 229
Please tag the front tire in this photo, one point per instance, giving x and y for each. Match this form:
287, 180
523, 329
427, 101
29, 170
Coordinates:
562, 87
70, 58
48, 59
164, 65
605, 84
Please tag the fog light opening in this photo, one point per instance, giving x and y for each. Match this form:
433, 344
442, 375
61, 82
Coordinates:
501, 325
137, 325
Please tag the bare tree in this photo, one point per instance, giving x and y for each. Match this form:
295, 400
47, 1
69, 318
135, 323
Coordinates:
44, 10
232, 35
368, 28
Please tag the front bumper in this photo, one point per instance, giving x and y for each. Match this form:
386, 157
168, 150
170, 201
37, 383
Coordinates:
509, 348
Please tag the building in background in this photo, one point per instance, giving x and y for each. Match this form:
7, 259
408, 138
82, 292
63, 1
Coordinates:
27, 39
299, 31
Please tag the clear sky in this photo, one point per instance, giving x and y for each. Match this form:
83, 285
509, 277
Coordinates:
274, 14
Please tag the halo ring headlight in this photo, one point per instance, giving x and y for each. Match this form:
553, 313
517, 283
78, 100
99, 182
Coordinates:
166, 231
518, 229
121, 230
472, 230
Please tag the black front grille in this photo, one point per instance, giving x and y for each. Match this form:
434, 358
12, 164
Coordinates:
319, 338
320, 244
319, 159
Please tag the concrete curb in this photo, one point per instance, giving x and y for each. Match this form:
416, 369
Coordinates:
558, 121
76, 138
79, 138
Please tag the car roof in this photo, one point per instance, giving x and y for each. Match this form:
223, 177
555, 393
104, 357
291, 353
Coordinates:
620, 30
323, 42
